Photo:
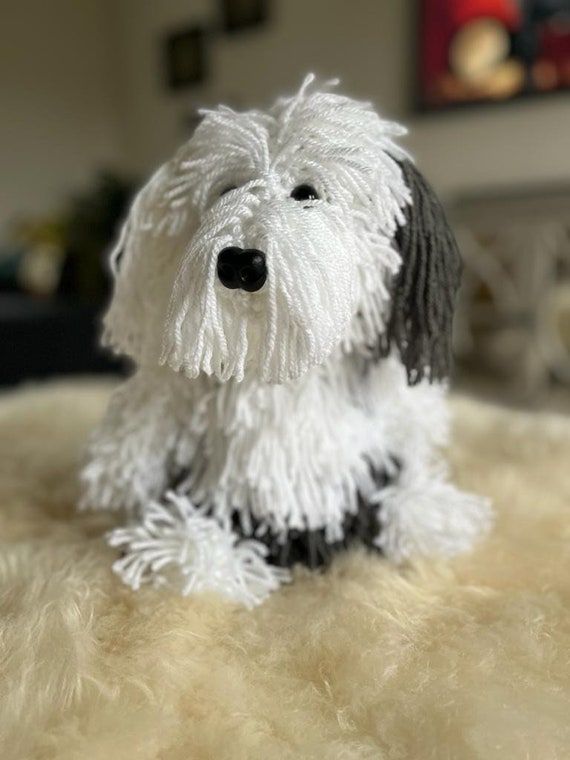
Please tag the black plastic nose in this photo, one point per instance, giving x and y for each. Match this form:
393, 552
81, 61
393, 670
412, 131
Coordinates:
242, 269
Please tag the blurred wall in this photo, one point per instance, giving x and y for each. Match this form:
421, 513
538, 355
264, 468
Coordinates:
57, 113
510, 145
81, 85
358, 41
370, 45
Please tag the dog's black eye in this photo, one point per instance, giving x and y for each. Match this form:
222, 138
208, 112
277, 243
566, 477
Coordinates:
305, 193
228, 189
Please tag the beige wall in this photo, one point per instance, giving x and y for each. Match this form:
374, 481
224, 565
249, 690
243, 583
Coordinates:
81, 86
56, 104
512, 145
369, 44
152, 117
353, 40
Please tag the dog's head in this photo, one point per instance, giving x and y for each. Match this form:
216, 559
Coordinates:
274, 238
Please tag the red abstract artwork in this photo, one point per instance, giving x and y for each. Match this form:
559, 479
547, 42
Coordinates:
492, 50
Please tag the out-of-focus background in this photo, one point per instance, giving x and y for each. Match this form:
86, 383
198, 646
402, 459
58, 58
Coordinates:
95, 93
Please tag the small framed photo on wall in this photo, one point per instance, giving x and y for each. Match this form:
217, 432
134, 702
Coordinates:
185, 58
238, 15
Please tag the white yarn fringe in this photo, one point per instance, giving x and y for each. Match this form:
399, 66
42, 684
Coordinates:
179, 546
430, 517
285, 412
326, 264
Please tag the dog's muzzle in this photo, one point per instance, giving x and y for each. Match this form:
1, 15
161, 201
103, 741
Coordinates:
245, 269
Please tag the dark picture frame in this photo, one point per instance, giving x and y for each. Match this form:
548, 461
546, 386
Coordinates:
239, 15
185, 58
520, 48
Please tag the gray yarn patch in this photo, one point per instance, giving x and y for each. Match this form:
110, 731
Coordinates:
424, 289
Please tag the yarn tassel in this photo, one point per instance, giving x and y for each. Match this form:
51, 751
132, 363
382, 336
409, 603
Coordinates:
179, 546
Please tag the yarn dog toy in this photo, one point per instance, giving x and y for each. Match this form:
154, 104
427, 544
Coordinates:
285, 285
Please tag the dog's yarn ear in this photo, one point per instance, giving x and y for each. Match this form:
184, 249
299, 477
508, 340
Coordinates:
424, 288
142, 263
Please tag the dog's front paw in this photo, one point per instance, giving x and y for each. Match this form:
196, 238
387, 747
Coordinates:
178, 545
430, 518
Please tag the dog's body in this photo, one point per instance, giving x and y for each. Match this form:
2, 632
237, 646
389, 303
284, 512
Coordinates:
286, 285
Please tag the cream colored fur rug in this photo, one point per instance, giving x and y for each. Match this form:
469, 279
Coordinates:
463, 660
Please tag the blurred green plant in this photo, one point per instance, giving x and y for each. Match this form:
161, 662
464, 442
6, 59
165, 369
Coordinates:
92, 222
65, 255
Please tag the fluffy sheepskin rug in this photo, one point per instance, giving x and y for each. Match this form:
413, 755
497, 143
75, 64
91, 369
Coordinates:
469, 659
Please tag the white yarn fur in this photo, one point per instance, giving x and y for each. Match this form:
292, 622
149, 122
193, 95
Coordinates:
327, 262
267, 403
178, 546
427, 516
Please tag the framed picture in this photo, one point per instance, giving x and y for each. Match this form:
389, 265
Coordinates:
238, 15
185, 58
476, 51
